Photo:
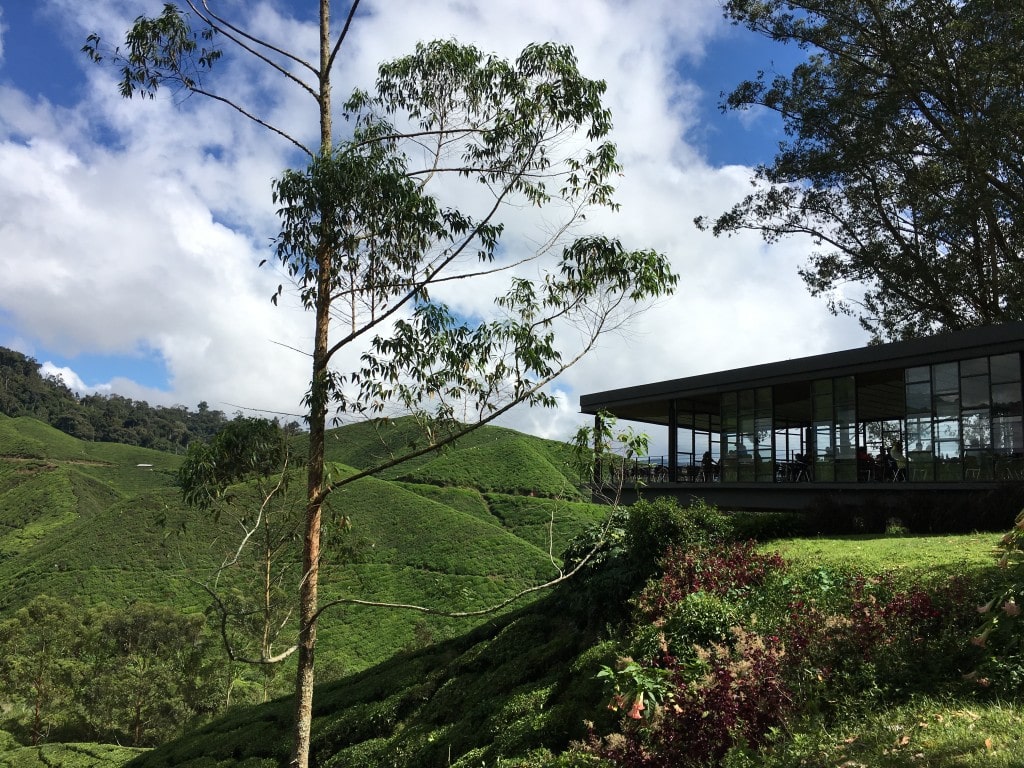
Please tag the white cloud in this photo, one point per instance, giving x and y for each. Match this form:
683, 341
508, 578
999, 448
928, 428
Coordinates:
133, 225
71, 379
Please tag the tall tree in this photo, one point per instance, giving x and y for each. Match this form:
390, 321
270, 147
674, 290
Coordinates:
40, 664
245, 472
153, 672
368, 247
903, 159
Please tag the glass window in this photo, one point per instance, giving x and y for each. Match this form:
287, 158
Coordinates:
824, 452
974, 392
919, 373
823, 438
821, 405
947, 405
947, 437
919, 448
976, 367
977, 429
919, 434
845, 415
1007, 436
729, 411
945, 378
746, 400
1006, 399
1005, 368
919, 397
763, 401
845, 390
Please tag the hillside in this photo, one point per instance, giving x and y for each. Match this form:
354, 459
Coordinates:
855, 651
517, 683
24, 391
102, 522
488, 459
51, 482
872, 671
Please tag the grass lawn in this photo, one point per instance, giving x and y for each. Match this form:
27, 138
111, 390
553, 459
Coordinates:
919, 555
925, 732
941, 731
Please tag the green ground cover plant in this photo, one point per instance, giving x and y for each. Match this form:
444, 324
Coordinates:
468, 500
919, 556
512, 466
105, 530
837, 656
548, 524
368, 444
738, 656
86, 755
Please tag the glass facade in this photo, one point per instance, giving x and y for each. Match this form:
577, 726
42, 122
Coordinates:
959, 420
746, 447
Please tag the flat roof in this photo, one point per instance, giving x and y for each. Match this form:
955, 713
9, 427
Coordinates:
974, 342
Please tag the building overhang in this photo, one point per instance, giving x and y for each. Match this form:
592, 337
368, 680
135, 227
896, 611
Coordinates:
649, 403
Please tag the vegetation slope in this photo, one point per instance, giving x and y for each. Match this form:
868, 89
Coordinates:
895, 679
880, 668
103, 523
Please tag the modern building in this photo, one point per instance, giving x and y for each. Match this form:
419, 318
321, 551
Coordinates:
940, 413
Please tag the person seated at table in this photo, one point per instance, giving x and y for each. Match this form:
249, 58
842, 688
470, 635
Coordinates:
801, 468
708, 466
865, 464
899, 461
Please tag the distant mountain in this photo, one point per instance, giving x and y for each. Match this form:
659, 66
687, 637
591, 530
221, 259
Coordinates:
24, 391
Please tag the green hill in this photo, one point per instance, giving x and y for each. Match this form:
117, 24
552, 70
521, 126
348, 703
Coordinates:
103, 523
518, 690
488, 459
518, 682
50, 481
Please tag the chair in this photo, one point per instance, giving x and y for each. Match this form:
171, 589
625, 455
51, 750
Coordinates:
1006, 469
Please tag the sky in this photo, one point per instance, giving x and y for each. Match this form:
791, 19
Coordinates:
131, 230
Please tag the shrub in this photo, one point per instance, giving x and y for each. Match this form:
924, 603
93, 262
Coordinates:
738, 699
601, 590
655, 526
726, 570
888, 640
699, 619
732, 651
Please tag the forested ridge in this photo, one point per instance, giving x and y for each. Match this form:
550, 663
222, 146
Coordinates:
24, 391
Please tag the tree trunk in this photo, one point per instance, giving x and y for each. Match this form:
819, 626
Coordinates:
311, 542
318, 396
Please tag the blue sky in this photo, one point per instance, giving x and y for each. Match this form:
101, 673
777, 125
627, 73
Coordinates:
133, 230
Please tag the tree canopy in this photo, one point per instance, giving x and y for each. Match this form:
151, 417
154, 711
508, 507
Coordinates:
902, 161
24, 391
378, 225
